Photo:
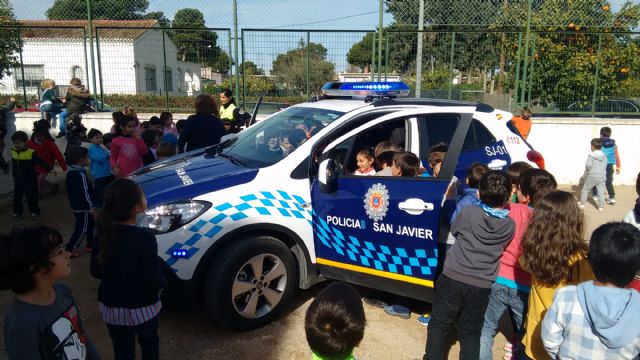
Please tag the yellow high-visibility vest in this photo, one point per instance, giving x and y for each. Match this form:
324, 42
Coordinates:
227, 114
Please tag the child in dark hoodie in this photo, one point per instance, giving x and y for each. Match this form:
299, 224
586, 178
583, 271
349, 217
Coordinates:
595, 174
462, 291
599, 319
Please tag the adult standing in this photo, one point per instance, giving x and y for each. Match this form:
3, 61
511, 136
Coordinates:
204, 128
229, 112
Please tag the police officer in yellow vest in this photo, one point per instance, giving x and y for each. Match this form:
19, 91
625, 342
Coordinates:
228, 110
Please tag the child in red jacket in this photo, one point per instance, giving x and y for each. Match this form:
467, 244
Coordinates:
48, 152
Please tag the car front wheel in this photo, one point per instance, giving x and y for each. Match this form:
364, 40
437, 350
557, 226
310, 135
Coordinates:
249, 282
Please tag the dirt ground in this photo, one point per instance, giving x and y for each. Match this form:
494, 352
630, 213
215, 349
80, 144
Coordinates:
190, 334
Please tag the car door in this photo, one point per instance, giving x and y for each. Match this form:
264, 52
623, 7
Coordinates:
378, 231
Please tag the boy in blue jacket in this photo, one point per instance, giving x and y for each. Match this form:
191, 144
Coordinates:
100, 167
81, 199
610, 149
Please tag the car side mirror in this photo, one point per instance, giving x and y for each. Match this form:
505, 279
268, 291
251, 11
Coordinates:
328, 176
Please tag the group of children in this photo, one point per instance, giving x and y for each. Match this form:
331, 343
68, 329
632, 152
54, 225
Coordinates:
599, 170
519, 247
43, 321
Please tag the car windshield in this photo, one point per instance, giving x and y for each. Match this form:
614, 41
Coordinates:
271, 140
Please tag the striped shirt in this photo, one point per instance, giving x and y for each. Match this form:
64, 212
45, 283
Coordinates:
129, 317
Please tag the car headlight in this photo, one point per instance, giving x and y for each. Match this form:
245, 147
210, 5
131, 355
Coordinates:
168, 217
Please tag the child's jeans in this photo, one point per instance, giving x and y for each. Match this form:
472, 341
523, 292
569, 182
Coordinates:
124, 340
28, 188
461, 305
501, 299
83, 230
589, 183
63, 122
609, 182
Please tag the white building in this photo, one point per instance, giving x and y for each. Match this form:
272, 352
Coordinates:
129, 58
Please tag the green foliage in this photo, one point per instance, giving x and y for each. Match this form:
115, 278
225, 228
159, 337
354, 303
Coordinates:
158, 15
250, 68
360, 53
102, 9
290, 69
9, 44
196, 43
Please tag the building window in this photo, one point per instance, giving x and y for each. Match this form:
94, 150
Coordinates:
150, 79
168, 75
33, 75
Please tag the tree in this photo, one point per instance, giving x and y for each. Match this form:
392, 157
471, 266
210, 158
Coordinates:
290, 69
102, 9
250, 68
158, 15
360, 53
196, 43
9, 43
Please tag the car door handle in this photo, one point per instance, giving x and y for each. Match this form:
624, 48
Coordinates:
415, 206
497, 164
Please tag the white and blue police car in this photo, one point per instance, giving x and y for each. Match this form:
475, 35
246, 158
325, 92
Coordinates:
242, 224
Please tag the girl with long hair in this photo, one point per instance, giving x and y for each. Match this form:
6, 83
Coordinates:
126, 261
554, 252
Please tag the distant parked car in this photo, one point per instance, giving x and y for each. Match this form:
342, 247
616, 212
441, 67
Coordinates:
610, 106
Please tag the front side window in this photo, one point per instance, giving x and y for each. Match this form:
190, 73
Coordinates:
151, 83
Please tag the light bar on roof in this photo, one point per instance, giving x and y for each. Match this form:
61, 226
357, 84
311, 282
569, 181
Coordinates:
366, 89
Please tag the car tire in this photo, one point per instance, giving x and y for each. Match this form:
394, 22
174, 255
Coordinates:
239, 299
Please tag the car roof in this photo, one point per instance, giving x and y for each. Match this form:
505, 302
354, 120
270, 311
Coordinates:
341, 105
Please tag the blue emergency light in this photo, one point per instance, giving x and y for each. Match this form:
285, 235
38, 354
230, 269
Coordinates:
179, 253
366, 89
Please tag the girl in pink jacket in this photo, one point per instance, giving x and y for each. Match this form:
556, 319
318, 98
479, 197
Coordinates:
127, 148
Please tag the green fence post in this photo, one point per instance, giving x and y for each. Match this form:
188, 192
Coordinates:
90, 24
516, 86
594, 98
381, 30
230, 59
386, 56
244, 80
235, 46
24, 86
531, 72
308, 71
84, 51
526, 47
164, 63
99, 67
373, 55
451, 56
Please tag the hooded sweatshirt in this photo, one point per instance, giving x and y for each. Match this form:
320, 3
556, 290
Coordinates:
47, 151
593, 322
596, 164
78, 98
480, 241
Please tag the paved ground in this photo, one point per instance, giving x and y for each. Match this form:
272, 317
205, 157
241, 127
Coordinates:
191, 335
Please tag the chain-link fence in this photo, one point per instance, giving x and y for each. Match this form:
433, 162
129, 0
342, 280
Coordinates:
551, 55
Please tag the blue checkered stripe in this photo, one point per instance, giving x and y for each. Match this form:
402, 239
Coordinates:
421, 263
264, 203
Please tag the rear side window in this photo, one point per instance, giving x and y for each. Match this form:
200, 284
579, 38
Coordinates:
479, 136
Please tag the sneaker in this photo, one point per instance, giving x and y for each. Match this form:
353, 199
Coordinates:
600, 209
611, 201
398, 310
580, 205
375, 302
595, 198
424, 319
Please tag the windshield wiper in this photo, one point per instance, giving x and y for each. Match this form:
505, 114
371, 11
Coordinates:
232, 159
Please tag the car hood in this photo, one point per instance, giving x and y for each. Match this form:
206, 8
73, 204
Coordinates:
189, 175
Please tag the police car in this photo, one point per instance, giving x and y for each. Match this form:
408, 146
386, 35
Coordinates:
242, 224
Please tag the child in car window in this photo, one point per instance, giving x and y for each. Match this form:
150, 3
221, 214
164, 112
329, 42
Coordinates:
364, 161
405, 164
384, 161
